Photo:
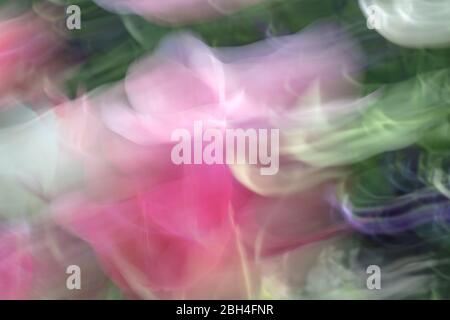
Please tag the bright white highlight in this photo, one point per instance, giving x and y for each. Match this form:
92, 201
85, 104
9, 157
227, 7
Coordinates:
411, 23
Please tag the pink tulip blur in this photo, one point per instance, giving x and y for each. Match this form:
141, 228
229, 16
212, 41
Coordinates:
27, 54
162, 230
34, 259
176, 11
16, 264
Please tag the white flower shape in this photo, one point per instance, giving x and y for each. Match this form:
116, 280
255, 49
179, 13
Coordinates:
410, 23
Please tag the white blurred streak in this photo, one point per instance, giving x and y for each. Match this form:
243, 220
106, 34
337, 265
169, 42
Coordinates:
33, 165
176, 11
411, 23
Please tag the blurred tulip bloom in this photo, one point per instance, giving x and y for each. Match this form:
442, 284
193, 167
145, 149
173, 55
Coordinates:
28, 51
162, 230
176, 11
